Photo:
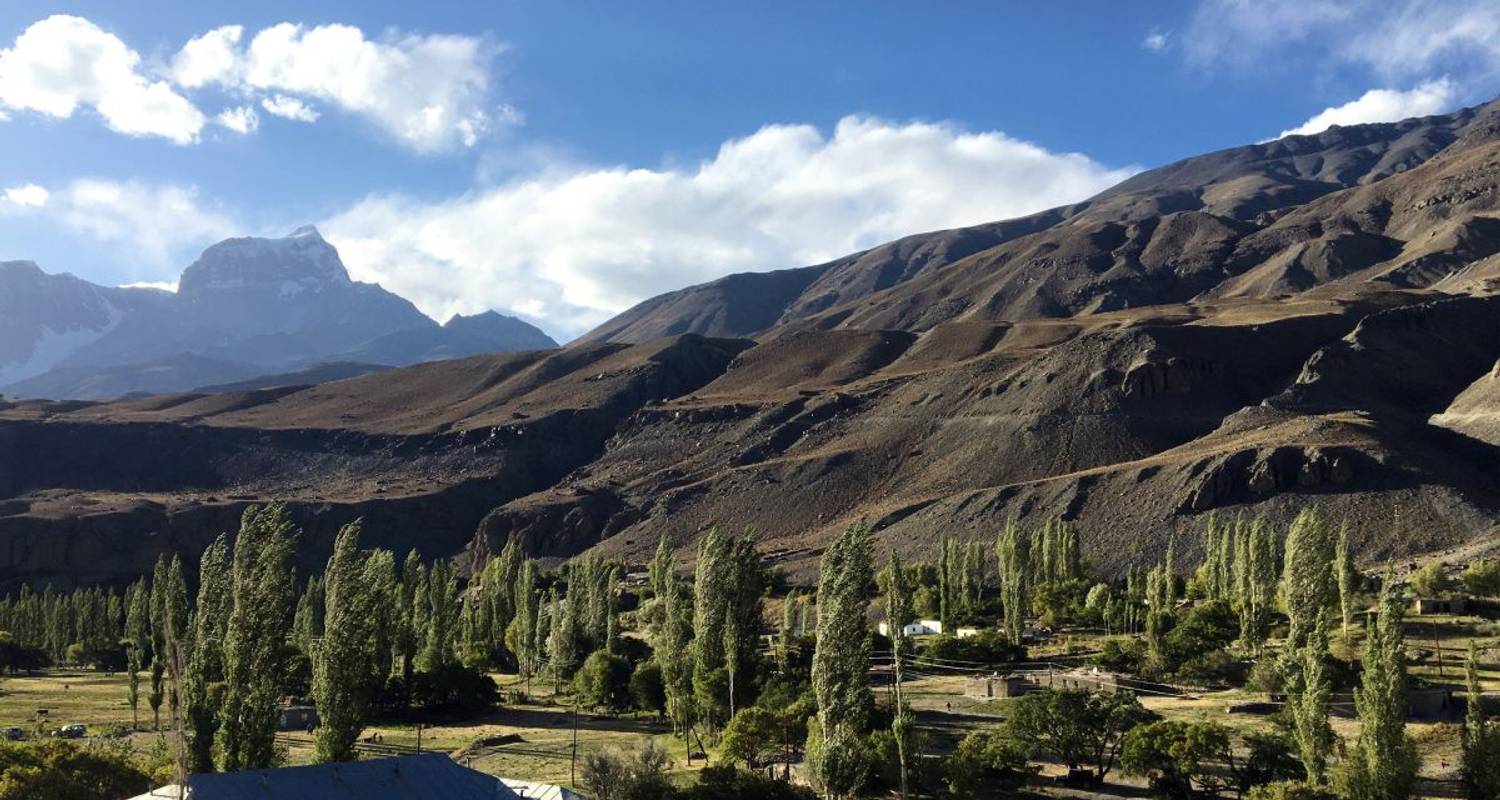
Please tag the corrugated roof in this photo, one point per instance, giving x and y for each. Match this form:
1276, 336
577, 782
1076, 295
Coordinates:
418, 777
540, 791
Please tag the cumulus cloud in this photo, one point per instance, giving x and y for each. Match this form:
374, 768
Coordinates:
240, 120
151, 225
211, 58
428, 91
1383, 105
63, 62
1156, 41
289, 108
572, 247
27, 194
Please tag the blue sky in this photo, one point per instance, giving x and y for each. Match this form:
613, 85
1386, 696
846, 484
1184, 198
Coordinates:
562, 161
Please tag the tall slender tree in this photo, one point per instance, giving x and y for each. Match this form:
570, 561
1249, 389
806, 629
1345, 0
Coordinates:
1383, 764
262, 587
341, 659
840, 661
1479, 763
1307, 699
898, 613
206, 666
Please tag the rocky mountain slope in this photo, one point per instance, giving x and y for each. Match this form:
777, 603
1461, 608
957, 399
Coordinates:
1312, 320
245, 308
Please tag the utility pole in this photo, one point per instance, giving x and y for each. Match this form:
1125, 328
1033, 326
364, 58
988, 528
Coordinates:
1439, 644
573, 763
419, 737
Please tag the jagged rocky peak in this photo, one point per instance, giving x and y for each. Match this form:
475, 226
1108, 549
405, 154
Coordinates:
300, 262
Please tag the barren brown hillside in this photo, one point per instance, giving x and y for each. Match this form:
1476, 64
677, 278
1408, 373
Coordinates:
1312, 320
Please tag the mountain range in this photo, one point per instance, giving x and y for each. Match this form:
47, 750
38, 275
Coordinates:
1314, 320
247, 307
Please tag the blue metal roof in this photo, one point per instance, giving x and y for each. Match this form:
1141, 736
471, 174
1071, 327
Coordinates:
418, 777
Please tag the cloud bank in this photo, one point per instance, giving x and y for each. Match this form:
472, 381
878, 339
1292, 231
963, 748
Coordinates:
571, 248
1383, 105
430, 93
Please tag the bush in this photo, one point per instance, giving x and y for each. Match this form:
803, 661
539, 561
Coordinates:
1205, 628
1482, 578
1291, 790
988, 647
1266, 677
1431, 580
53, 768
628, 775
647, 690
723, 782
603, 682
1120, 654
986, 764
753, 735
454, 689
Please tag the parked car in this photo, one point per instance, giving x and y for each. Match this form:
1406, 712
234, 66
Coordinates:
15, 734
74, 731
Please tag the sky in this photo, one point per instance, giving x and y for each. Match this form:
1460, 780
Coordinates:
563, 161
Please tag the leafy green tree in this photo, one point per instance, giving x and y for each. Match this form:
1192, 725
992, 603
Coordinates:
1078, 729
647, 691
603, 682
1308, 689
675, 653
1431, 580
341, 660
206, 666
1182, 759
1013, 557
1308, 588
262, 588
1346, 576
898, 613
1383, 764
753, 735
986, 764
1482, 578
158, 692
840, 661
1480, 759
53, 769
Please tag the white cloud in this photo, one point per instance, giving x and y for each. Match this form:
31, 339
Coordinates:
63, 62
1383, 105
163, 286
210, 58
1156, 41
289, 108
240, 120
1397, 39
28, 194
152, 225
574, 246
428, 91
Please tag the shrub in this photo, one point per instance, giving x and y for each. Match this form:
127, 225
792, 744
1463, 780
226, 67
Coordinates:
604, 681
754, 734
723, 782
1431, 580
1120, 655
986, 764
1291, 790
1078, 729
52, 768
988, 647
646, 688
1482, 578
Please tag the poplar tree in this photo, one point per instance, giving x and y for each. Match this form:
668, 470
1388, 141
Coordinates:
674, 652
898, 614
206, 665
1307, 584
563, 653
137, 640
1479, 763
840, 662
1344, 574
175, 620
1013, 562
341, 659
946, 610
404, 629
1307, 699
262, 587
158, 641
382, 589
711, 589
1383, 764
784, 636
523, 642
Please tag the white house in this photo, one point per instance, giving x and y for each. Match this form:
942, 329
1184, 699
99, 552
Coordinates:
922, 627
